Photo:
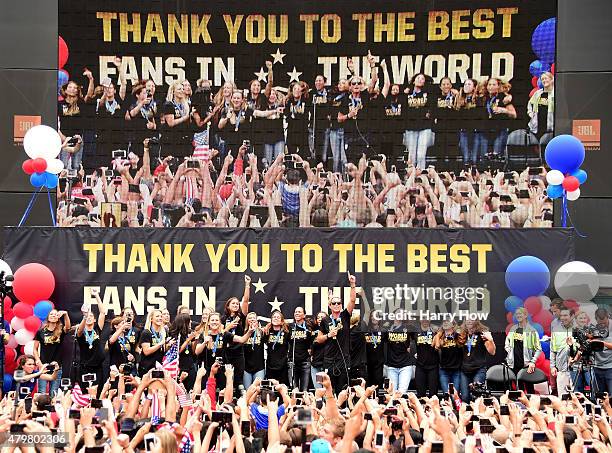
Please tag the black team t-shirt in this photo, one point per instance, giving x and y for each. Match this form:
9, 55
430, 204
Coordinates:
147, 362
254, 353
301, 337
427, 356
125, 345
318, 353
91, 348
278, 348
234, 351
358, 346
50, 347
474, 353
519, 360
375, 347
218, 348
451, 352
543, 113
333, 355
398, 345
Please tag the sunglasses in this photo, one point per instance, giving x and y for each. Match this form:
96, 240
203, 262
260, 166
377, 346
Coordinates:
357, 82
335, 302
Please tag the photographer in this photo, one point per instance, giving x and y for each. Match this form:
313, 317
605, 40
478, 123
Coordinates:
33, 375
603, 359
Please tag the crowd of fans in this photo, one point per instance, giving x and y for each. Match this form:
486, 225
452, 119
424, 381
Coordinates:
347, 155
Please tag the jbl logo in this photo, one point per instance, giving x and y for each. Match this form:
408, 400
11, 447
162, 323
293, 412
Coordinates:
588, 132
21, 125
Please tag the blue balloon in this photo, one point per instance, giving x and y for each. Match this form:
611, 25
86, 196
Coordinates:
38, 179
536, 68
580, 175
512, 303
8, 383
62, 78
554, 191
546, 348
42, 309
539, 329
527, 276
51, 180
564, 153
540, 84
543, 41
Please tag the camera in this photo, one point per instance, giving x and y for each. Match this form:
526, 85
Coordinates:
479, 389
586, 347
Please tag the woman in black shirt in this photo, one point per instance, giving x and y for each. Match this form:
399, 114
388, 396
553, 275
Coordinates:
121, 345
141, 119
375, 347
445, 117
180, 330
358, 350
393, 120
466, 105
276, 337
176, 134
447, 343
499, 110
477, 344
318, 349
299, 350
235, 123
270, 125
254, 362
419, 106
296, 114
153, 342
399, 360
91, 347
427, 361
234, 321
48, 346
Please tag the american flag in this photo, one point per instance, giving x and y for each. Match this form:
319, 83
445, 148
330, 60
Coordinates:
183, 397
78, 397
190, 191
171, 359
202, 152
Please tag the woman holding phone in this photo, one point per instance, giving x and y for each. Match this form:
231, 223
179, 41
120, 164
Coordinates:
180, 330
276, 337
91, 347
31, 377
254, 361
153, 342
48, 346
478, 345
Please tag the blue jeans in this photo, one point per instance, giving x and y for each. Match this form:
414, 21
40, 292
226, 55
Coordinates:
71, 161
318, 140
336, 140
416, 143
401, 377
467, 378
603, 376
468, 141
249, 378
313, 376
448, 376
498, 140
50, 387
273, 150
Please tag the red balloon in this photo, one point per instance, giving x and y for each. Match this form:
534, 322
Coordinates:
8, 315
544, 318
32, 323
533, 305
63, 52
571, 304
8, 303
33, 282
509, 318
533, 92
541, 360
10, 355
552, 69
534, 82
571, 183
508, 327
23, 310
39, 164
10, 365
28, 167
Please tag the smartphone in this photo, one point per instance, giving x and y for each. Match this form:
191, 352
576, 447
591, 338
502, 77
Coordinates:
588, 409
75, 414
386, 382
367, 416
193, 164
149, 442
437, 447
566, 397
390, 211
89, 377
570, 419
133, 188
96, 403
597, 410
451, 388
109, 173
355, 382
540, 436
504, 409
24, 391
304, 416
535, 171
71, 174
486, 429
79, 200
65, 382
17, 427
119, 154
245, 428
319, 378
379, 439
390, 411
157, 374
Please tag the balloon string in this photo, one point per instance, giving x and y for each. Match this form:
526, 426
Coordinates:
26, 214
564, 210
51, 207
572, 223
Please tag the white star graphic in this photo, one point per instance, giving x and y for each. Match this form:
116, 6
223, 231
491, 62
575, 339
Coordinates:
259, 286
294, 75
262, 75
278, 56
276, 304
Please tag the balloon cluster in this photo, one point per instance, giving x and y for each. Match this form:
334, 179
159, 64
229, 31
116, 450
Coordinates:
33, 285
527, 278
42, 144
62, 74
543, 45
564, 154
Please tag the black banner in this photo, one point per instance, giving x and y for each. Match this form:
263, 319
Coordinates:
432, 272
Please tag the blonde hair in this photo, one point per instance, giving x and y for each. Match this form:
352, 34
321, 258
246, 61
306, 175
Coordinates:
167, 441
170, 95
219, 99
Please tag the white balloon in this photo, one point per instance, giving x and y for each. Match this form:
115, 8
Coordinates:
574, 195
17, 324
29, 348
545, 301
55, 166
554, 177
42, 141
4, 267
12, 343
577, 281
23, 336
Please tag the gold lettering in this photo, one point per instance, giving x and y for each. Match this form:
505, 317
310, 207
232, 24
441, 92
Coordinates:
343, 250
284, 29
437, 257
107, 19
482, 250
138, 258
308, 19
458, 22
484, 23
405, 26
161, 259
92, 251
460, 258
290, 250
215, 254
312, 258
199, 29
387, 28
265, 258
336, 27
437, 29
154, 29
233, 27
507, 21
417, 258
182, 257
362, 19
125, 27
251, 37
110, 258
176, 30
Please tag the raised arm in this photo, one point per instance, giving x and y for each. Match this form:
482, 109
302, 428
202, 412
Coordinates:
353, 297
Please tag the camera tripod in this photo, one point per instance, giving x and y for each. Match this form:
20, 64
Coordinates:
585, 369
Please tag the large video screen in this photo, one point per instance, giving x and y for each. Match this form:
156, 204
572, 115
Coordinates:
413, 114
